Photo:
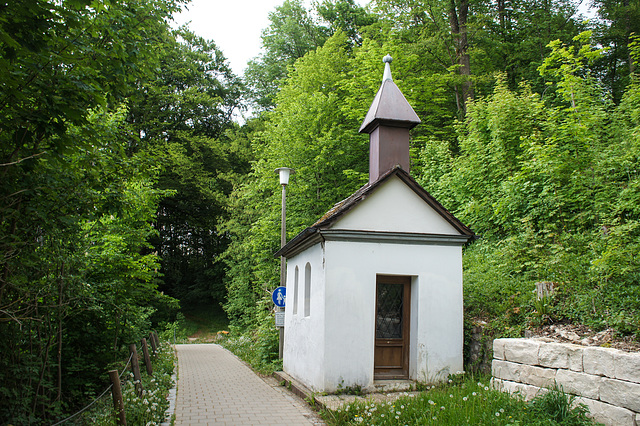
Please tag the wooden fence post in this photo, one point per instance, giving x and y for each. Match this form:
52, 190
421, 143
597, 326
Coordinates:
135, 367
152, 340
118, 403
155, 336
147, 359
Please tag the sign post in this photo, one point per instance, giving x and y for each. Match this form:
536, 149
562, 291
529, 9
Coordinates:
279, 298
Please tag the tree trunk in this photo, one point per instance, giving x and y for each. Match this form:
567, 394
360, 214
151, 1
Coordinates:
60, 315
628, 31
458, 22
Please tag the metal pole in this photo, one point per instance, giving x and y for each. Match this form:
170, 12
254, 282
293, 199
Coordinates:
283, 268
283, 236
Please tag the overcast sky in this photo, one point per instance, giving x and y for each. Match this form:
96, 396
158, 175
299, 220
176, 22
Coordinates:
234, 25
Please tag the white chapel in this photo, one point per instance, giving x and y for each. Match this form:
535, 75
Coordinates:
374, 287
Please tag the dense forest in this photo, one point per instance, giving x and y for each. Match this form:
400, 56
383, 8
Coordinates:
128, 188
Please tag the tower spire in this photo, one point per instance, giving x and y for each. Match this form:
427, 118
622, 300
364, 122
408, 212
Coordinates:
387, 68
388, 122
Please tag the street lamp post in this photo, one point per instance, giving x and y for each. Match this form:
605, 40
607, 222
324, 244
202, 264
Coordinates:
284, 173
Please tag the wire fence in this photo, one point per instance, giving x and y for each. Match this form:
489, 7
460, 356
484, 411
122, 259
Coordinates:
124, 370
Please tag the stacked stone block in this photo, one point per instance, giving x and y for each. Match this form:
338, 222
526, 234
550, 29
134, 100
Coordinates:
606, 380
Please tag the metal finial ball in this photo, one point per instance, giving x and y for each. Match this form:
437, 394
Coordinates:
387, 59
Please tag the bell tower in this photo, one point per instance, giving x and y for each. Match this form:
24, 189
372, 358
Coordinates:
388, 122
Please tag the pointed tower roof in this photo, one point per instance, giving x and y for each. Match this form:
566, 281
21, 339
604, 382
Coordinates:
389, 107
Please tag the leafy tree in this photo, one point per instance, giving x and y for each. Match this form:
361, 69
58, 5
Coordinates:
182, 115
619, 21
512, 37
292, 33
346, 16
75, 292
310, 131
75, 211
549, 186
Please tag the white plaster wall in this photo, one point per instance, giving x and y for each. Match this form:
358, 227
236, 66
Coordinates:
303, 353
377, 212
436, 329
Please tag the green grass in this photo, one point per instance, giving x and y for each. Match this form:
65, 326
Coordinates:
462, 401
196, 324
205, 319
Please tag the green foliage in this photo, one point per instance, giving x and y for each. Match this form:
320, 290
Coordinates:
462, 401
148, 408
348, 390
257, 346
292, 33
559, 407
309, 132
552, 203
83, 279
346, 16
182, 115
77, 276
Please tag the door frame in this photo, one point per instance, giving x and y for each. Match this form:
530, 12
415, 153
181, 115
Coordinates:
405, 341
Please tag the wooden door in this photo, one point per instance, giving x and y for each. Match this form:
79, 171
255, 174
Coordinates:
393, 301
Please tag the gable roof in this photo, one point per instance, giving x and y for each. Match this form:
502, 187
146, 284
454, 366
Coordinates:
346, 205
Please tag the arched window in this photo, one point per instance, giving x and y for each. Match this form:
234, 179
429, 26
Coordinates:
307, 290
295, 292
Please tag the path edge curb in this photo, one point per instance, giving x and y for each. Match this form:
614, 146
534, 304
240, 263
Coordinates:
300, 390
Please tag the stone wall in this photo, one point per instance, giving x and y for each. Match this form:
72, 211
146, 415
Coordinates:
478, 348
605, 380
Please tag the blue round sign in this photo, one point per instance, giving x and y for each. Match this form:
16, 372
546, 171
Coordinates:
279, 296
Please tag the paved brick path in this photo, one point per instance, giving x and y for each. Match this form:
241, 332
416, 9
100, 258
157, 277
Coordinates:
216, 388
